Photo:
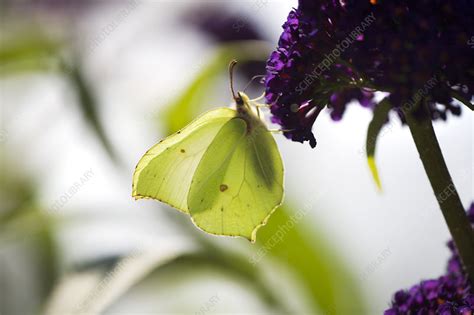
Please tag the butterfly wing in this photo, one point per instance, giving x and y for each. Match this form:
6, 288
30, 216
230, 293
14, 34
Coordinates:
166, 170
238, 182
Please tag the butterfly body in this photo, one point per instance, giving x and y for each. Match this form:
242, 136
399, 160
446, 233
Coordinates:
223, 169
246, 112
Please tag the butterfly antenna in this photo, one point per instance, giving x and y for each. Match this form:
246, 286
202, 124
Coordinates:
253, 79
231, 75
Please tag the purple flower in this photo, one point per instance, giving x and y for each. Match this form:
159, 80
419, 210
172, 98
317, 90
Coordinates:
333, 52
450, 294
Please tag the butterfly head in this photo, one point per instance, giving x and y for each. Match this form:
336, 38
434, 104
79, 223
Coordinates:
242, 102
240, 98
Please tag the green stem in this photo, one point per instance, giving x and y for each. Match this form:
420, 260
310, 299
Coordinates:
448, 199
462, 99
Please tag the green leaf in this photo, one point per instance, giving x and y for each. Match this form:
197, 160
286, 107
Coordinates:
29, 234
92, 290
31, 51
27, 51
17, 191
234, 265
380, 118
190, 103
89, 105
328, 280
195, 97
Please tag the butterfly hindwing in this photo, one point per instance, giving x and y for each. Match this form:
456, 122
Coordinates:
238, 182
166, 170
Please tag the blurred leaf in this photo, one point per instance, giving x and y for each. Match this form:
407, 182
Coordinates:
32, 51
232, 264
17, 192
27, 51
89, 105
378, 121
195, 97
92, 291
189, 104
28, 235
328, 280
21, 220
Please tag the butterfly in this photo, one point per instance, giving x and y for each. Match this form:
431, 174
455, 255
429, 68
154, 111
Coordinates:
224, 169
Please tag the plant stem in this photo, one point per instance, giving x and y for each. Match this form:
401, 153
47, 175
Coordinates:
448, 199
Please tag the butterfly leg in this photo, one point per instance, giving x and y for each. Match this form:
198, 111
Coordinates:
258, 106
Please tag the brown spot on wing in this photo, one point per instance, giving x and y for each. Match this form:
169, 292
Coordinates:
223, 187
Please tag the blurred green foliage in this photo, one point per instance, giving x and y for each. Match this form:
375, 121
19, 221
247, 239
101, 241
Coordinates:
25, 231
30, 51
313, 259
27, 50
307, 254
195, 98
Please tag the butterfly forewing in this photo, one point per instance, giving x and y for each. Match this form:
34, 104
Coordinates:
166, 170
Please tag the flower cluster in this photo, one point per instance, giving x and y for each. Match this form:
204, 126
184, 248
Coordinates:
333, 52
448, 295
